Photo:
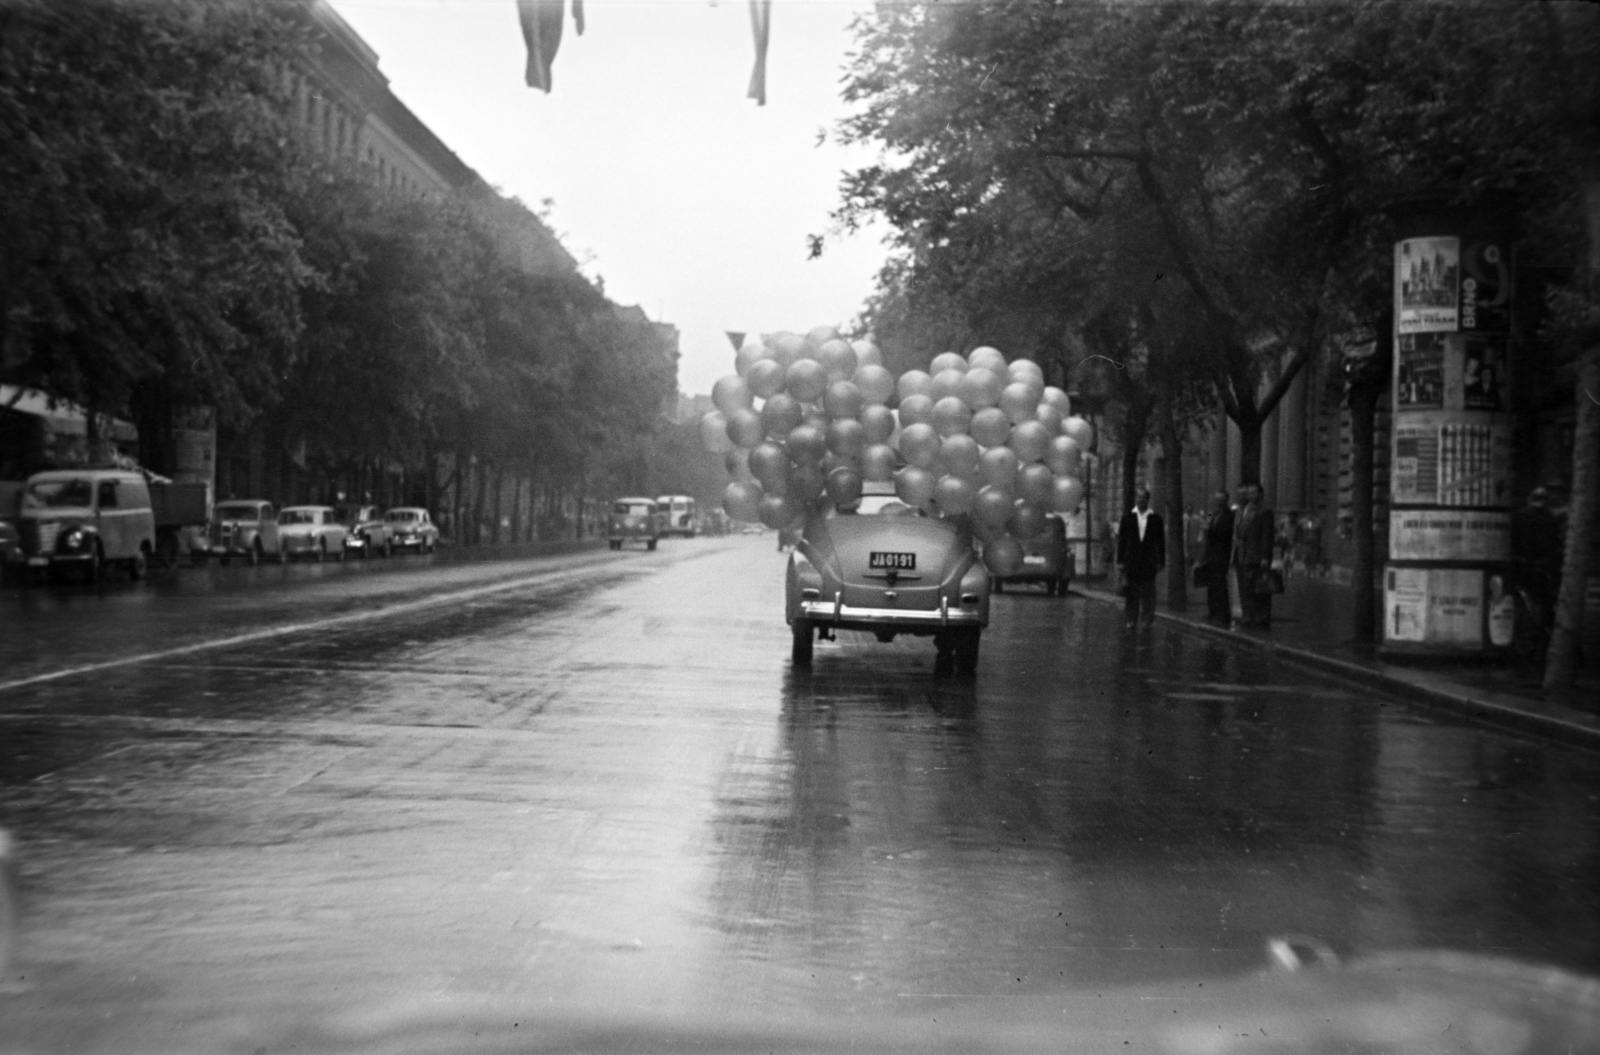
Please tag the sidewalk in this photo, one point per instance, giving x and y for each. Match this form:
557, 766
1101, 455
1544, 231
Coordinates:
1311, 624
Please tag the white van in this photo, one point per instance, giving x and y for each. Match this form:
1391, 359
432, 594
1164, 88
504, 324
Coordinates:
87, 518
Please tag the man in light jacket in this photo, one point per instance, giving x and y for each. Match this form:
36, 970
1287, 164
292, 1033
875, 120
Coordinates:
1253, 536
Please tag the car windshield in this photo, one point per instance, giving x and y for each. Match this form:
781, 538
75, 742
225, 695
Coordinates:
236, 512
55, 494
297, 516
401, 516
633, 508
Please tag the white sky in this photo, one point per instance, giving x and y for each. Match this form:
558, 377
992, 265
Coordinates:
684, 196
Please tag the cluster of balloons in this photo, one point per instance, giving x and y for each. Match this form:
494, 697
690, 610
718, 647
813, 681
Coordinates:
806, 419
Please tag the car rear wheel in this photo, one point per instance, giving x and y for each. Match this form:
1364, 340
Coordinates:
322, 551
965, 653
138, 565
804, 639
650, 545
255, 553
999, 585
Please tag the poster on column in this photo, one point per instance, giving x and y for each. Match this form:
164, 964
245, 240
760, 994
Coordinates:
1427, 281
1419, 371
1447, 534
1483, 372
1485, 287
1437, 606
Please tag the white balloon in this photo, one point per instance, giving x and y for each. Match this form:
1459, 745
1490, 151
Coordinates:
954, 495
1029, 440
915, 410
951, 416
876, 383
1080, 430
1058, 399
731, 393
765, 378
750, 352
714, 432
1019, 401
867, 353
913, 383
919, 445
1066, 494
979, 388
988, 358
945, 383
1050, 417
958, 456
990, 427
998, 467
947, 361
877, 423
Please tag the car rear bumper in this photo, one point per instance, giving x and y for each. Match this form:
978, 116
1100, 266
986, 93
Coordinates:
850, 617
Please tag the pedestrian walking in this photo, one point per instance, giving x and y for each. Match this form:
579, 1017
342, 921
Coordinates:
1141, 553
1216, 557
1538, 538
1253, 537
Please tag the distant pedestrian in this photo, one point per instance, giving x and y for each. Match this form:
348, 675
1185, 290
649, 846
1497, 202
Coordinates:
1216, 557
1253, 536
1538, 539
1141, 553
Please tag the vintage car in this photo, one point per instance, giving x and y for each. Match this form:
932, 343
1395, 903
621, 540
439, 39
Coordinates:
87, 519
247, 529
635, 520
885, 568
311, 531
410, 527
366, 531
1046, 559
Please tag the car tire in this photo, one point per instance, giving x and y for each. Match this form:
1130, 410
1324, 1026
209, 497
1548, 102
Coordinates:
965, 653
999, 585
805, 637
138, 565
283, 554
255, 553
650, 545
322, 550
944, 661
96, 571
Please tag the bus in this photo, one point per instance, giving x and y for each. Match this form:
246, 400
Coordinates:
680, 514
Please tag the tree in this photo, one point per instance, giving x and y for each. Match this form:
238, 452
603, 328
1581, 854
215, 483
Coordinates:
142, 201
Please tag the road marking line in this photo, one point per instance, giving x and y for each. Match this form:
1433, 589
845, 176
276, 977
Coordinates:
301, 628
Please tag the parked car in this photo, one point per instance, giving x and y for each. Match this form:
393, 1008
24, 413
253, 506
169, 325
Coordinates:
246, 529
410, 527
87, 519
635, 520
1046, 559
311, 531
886, 569
366, 532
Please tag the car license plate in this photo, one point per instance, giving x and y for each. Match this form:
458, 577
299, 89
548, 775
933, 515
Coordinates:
897, 561
1033, 558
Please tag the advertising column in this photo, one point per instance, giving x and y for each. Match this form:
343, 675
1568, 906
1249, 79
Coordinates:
1450, 477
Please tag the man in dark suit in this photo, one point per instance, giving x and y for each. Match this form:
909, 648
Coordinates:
1217, 557
1253, 537
1141, 553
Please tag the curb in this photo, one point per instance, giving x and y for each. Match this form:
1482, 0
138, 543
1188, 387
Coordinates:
1574, 728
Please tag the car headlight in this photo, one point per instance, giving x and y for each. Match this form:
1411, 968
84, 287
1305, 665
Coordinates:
72, 538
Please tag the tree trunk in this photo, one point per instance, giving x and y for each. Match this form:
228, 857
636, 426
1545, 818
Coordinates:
458, 482
1562, 659
1177, 560
1249, 447
480, 494
1363, 420
499, 486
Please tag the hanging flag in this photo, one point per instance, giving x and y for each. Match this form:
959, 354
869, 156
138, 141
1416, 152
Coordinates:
761, 25
541, 31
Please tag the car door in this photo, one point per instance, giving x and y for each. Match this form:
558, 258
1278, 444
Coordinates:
110, 522
268, 523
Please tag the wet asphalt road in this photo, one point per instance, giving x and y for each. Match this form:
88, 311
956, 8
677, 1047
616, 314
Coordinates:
592, 785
